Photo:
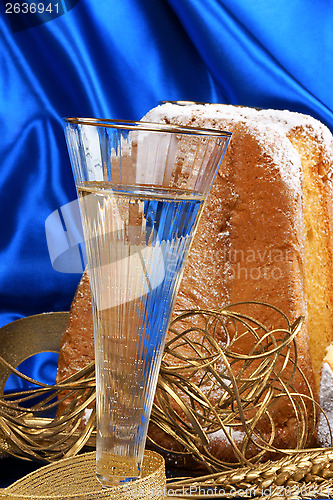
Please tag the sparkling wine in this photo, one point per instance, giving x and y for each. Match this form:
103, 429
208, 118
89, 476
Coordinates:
137, 240
142, 187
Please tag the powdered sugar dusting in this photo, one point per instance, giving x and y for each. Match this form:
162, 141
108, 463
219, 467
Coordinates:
278, 152
326, 403
283, 121
86, 415
265, 126
221, 437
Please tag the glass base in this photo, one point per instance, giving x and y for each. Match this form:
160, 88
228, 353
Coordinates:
110, 481
116, 470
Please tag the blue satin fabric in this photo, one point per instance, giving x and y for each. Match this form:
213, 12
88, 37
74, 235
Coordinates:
118, 59
266, 54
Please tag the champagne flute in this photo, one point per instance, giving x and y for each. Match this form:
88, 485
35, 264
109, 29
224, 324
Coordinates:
142, 188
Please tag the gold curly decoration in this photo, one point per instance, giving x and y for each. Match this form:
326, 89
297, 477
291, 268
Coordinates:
208, 386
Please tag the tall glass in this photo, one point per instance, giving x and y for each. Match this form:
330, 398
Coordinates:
141, 187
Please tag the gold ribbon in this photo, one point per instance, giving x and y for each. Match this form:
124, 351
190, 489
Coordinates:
20, 340
75, 478
25, 337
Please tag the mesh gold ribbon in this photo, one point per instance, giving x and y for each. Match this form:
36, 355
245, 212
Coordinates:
307, 475
75, 478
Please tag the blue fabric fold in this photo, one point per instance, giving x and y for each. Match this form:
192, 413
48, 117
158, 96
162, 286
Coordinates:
118, 60
264, 54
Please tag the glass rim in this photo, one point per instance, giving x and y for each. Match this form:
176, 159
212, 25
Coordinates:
147, 126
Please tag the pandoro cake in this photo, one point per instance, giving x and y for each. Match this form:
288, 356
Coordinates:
265, 235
